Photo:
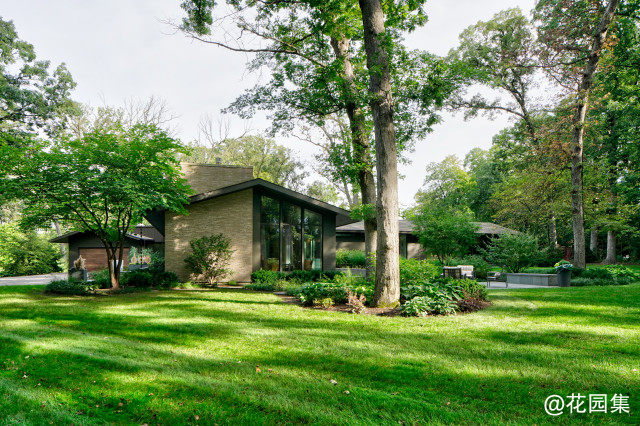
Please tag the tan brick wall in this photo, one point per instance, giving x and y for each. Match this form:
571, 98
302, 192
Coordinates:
207, 177
231, 215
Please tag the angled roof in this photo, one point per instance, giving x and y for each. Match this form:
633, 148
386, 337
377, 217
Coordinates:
406, 227
269, 187
64, 238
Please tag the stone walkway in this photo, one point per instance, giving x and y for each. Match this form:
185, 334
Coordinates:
32, 279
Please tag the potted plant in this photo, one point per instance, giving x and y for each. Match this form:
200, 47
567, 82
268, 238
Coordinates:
563, 271
79, 270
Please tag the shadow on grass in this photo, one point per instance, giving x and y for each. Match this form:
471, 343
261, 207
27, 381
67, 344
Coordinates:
436, 370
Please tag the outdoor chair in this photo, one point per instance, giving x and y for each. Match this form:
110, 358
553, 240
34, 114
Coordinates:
467, 271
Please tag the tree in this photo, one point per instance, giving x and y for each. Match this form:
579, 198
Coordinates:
323, 192
270, 161
574, 34
314, 51
31, 98
448, 184
26, 252
499, 54
209, 258
513, 251
103, 182
444, 231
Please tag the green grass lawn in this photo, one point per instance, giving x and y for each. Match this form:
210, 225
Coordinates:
243, 357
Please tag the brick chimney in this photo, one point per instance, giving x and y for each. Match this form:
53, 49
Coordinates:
207, 177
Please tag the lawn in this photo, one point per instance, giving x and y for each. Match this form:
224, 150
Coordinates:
177, 357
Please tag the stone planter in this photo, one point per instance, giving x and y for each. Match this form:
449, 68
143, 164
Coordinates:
533, 279
79, 275
138, 266
564, 277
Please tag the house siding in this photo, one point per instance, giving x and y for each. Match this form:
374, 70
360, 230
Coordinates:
230, 215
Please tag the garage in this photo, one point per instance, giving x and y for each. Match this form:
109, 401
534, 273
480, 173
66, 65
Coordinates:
96, 258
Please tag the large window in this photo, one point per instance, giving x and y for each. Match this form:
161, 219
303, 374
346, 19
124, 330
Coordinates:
312, 240
270, 234
290, 236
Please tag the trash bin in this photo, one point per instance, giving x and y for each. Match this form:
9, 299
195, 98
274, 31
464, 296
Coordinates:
564, 277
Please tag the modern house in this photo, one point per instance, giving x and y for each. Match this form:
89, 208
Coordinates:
269, 226
351, 237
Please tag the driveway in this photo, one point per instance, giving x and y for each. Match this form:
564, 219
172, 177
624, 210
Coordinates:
33, 279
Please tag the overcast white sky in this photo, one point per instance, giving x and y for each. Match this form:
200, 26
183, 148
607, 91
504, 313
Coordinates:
121, 49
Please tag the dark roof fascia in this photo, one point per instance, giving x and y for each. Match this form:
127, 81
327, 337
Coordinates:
64, 238
268, 187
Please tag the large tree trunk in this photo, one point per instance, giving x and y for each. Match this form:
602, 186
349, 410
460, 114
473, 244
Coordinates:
387, 287
577, 200
611, 258
114, 270
593, 240
361, 148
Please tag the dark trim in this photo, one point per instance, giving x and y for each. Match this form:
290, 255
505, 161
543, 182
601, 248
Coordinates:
64, 238
257, 210
269, 187
329, 242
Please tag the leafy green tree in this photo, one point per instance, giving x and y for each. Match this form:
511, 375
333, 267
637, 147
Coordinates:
26, 252
270, 161
447, 183
32, 98
514, 252
209, 258
323, 192
500, 54
444, 231
574, 34
103, 182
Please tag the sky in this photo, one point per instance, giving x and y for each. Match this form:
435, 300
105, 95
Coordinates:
120, 50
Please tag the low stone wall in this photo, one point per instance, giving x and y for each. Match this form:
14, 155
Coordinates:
533, 279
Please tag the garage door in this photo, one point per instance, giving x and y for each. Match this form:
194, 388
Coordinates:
96, 258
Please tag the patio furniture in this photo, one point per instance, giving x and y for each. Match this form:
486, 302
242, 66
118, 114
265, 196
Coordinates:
467, 271
494, 276
452, 272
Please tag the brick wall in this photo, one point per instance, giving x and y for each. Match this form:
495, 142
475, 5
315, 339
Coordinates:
231, 215
207, 177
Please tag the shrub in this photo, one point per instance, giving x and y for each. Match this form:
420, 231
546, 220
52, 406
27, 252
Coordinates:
422, 306
140, 279
481, 267
318, 291
469, 304
417, 271
433, 290
355, 302
472, 289
513, 251
101, 278
539, 270
70, 287
209, 258
351, 259
147, 278
583, 282
326, 302
265, 276
278, 285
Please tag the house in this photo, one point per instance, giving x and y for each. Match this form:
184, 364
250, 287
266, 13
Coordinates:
87, 245
351, 236
270, 227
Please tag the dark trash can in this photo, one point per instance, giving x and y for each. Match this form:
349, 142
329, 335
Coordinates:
564, 277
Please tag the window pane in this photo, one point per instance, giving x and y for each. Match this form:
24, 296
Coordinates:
291, 237
312, 240
270, 234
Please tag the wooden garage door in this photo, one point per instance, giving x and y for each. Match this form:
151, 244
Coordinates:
96, 258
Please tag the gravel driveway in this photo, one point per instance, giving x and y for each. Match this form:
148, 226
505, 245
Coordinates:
32, 279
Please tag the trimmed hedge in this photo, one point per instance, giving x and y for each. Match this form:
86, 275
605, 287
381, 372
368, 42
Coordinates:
69, 287
270, 277
351, 259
